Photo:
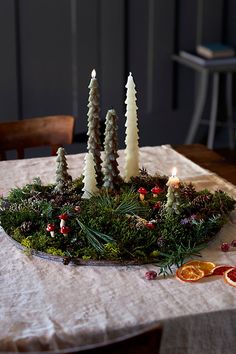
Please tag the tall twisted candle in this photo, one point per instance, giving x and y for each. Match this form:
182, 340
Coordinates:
94, 140
89, 180
132, 149
110, 165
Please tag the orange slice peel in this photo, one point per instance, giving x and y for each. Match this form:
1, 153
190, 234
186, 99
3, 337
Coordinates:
189, 273
205, 266
221, 269
230, 277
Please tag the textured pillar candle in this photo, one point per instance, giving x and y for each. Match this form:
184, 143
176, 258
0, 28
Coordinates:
89, 180
172, 202
94, 140
132, 149
173, 180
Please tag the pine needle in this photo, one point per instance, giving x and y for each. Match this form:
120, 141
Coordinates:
93, 237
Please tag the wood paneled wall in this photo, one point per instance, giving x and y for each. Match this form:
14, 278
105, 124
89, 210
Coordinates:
49, 47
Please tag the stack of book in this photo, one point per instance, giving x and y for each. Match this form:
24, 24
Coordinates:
211, 54
215, 50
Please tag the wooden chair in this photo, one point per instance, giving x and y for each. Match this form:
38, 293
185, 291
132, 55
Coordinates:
54, 131
144, 342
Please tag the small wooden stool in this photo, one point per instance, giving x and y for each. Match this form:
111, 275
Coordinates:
205, 73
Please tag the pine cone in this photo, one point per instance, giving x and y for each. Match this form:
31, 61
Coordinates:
143, 172
189, 192
59, 200
161, 242
201, 201
26, 226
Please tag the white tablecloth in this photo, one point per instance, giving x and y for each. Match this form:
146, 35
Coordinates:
46, 305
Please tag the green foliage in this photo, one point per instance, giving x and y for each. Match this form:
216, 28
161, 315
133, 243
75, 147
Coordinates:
55, 251
177, 255
114, 225
111, 251
95, 237
26, 242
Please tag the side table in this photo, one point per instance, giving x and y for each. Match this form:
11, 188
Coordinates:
205, 72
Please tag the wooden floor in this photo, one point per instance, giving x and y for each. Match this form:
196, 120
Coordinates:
211, 160
229, 155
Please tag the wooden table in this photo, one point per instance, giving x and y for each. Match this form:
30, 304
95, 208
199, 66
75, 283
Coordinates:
114, 288
209, 160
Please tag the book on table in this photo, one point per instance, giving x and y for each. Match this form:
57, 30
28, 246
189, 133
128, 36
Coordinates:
195, 58
215, 50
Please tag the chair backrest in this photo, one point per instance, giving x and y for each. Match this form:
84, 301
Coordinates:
54, 131
144, 342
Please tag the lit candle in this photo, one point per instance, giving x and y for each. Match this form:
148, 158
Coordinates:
94, 140
173, 180
172, 203
132, 149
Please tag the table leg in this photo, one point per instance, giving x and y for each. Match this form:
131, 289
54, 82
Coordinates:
214, 107
199, 105
229, 108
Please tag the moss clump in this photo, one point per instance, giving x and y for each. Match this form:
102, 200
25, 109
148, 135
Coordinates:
26, 242
55, 251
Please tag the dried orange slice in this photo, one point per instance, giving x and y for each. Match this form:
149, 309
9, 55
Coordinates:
230, 276
189, 273
206, 267
221, 269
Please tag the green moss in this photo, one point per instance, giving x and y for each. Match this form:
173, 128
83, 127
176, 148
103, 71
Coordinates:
111, 251
86, 258
26, 242
55, 251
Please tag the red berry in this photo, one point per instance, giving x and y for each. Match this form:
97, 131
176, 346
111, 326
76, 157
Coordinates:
151, 275
150, 225
157, 205
77, 208
233, 243
224, 247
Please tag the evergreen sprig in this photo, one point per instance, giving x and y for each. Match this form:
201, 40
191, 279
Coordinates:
177, 256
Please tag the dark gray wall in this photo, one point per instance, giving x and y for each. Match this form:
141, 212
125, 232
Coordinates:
49, 48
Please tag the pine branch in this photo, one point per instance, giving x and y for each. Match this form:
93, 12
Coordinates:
93, 237
177, 256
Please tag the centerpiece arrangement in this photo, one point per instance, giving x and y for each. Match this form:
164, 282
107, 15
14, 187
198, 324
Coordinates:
103, 218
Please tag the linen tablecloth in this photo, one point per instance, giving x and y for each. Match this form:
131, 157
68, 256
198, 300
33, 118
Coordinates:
47, 306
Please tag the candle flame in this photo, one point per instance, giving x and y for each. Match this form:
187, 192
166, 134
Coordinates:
93, 73
174, 172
